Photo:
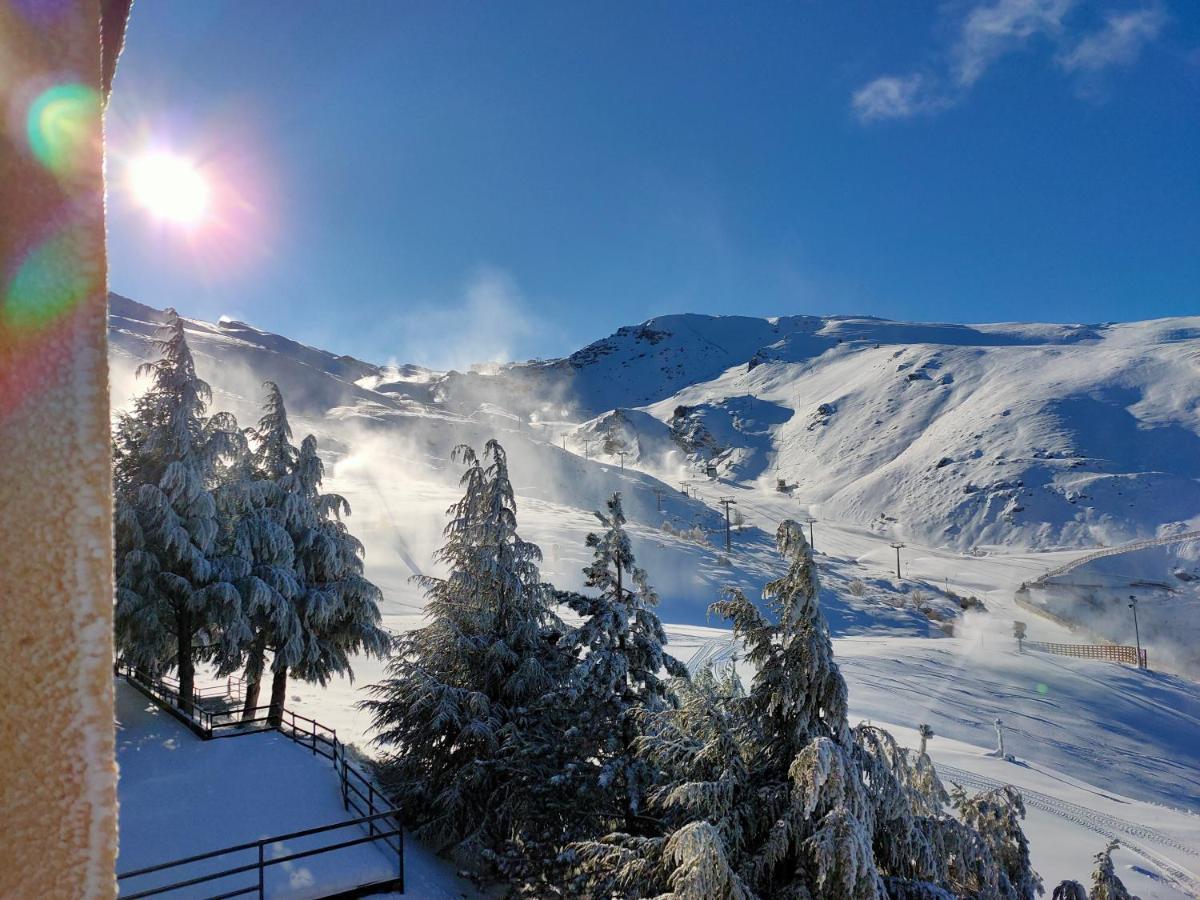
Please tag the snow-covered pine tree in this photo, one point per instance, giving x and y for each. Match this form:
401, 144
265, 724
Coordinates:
468, 713
701, 742
262, 519
798, 823
907, 801
175, 600
1105, 883
772, 794
337, 607
798, 690
620, 651
991, 841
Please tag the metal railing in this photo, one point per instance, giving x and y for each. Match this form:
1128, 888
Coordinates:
1119, 653
261, 862
233, 688
166, 694
358, 791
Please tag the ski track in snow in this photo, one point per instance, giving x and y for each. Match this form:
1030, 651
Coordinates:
1130, 834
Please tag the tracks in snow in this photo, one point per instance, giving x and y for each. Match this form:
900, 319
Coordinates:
1132, 835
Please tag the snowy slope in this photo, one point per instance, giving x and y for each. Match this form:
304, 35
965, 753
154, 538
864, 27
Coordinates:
1043, 435
386, 434
1034, 437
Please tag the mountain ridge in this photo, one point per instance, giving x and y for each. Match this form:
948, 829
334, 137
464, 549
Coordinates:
1005, 434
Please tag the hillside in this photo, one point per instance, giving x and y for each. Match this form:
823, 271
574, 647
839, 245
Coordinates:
1031, 435
1037, 436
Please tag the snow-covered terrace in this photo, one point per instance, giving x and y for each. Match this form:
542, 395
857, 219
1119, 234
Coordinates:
181, 796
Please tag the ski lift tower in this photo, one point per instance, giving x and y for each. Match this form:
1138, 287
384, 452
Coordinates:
727, 502
897, 546
810, 521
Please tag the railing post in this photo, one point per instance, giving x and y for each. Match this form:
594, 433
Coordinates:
314, 737
344, 774
261, 877
400, 850
371, 806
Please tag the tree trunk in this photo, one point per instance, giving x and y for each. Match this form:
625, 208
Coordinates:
278, 695
184, 662
250, 706
254, 670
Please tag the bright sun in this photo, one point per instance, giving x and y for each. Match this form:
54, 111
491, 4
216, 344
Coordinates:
169, 187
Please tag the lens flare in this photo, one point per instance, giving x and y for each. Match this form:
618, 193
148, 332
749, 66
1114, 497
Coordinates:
49, 282
169, 187
63, 126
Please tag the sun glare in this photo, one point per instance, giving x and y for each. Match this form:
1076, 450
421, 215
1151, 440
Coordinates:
169, 187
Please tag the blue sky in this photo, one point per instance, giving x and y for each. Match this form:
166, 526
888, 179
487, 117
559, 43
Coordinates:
446, 182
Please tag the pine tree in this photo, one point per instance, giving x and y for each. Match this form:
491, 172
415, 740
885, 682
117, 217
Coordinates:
991, 835
791, 818
771, 793
467, 710
262, 521
620, 650
1105, 883
175, 597
700, 741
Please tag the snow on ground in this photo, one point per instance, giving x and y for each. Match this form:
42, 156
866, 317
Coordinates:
1137, 731
1065, 426
181, 796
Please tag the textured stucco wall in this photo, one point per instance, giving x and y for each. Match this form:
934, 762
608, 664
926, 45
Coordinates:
57, 775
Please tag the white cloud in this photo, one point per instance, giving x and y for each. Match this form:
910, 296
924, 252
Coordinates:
990, 31
1117, 43
895, 97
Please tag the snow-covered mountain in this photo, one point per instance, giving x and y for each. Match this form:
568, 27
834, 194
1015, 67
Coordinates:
962, 436
1033, 435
